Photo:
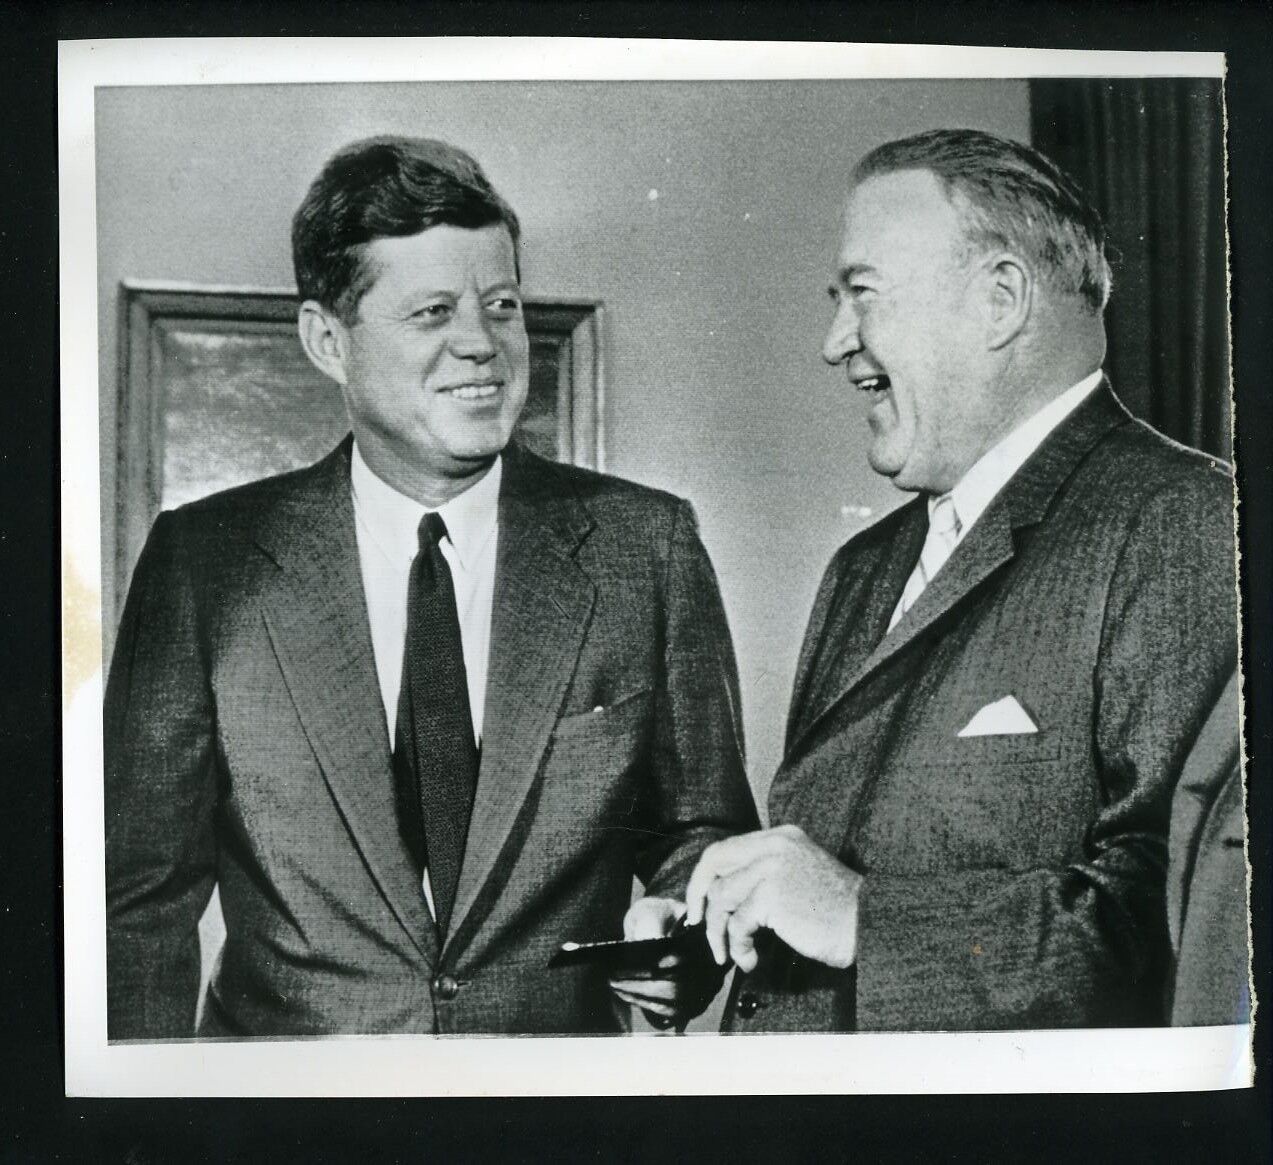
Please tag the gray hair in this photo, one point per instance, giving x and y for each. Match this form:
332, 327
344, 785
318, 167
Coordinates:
1014, 197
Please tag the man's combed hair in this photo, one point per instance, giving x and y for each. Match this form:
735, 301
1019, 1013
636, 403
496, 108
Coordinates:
384, 187
1012, 197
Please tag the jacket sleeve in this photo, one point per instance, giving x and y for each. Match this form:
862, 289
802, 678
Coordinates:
1086, 944
160, 796
697, 781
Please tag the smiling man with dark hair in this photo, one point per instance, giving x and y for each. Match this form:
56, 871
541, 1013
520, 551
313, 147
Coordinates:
1001, 680
423, 710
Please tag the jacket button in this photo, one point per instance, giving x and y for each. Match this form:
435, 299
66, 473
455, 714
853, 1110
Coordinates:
748, 1004
446, 986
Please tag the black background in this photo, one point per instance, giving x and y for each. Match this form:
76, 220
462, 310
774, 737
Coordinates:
38, 1124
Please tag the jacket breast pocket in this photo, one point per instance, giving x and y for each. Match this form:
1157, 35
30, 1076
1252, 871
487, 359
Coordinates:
1018, 748
593, 773
984, 802
625, 716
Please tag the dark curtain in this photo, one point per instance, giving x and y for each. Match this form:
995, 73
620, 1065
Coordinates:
1150, 155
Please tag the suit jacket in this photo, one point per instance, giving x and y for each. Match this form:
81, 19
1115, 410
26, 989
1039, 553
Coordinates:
247, 747
1206, 876
1011, 881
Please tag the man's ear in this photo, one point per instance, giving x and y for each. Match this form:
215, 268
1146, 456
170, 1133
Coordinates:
324, 338
1009, 299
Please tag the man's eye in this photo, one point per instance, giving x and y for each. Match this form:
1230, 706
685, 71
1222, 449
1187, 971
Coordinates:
858, 290
431, 313
504, 307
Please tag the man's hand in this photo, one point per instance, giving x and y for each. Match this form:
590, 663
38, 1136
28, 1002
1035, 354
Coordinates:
679, 990
779, 879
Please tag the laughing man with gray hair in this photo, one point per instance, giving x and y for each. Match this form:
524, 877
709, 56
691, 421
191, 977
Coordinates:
1001, 679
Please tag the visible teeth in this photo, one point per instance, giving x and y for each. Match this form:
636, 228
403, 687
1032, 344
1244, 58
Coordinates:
474, 391
873, 383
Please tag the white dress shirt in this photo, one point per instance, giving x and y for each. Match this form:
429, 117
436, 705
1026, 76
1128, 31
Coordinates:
387, 525
997, 466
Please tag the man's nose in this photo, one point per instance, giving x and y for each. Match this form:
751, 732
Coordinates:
470, 334
842, 337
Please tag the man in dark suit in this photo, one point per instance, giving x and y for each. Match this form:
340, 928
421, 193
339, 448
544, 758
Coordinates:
1001, 679
422, 710
1207, 876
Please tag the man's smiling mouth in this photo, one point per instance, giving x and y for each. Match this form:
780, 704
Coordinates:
481, 390
873, 384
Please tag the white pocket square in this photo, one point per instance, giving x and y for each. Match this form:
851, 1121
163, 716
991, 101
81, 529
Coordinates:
1002, 718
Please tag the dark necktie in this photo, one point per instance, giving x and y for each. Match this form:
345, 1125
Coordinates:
435, 757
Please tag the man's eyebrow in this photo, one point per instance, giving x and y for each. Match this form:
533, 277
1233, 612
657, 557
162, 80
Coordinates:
412, 298
846, 274
853, 270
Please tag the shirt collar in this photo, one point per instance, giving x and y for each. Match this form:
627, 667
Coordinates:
995, 468
393, 519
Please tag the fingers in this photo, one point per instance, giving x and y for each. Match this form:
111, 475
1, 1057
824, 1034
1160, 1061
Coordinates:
660, 999
651, 1007
665, 984
726, 857
731, 873
651, 918
741, 931
647, 991
725, 897
717, 919
717, 860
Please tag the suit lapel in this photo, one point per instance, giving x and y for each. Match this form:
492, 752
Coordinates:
543, 603
317, 621
988, 548
855, 611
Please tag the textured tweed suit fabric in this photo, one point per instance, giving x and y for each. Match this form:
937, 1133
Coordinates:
1012, 881
247, 748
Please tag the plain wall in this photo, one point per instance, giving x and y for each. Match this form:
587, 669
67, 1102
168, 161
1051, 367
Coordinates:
703, 215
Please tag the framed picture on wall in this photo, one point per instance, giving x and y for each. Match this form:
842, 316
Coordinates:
215, 391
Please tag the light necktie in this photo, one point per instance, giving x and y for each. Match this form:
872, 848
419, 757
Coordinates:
943, 535
435, 756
